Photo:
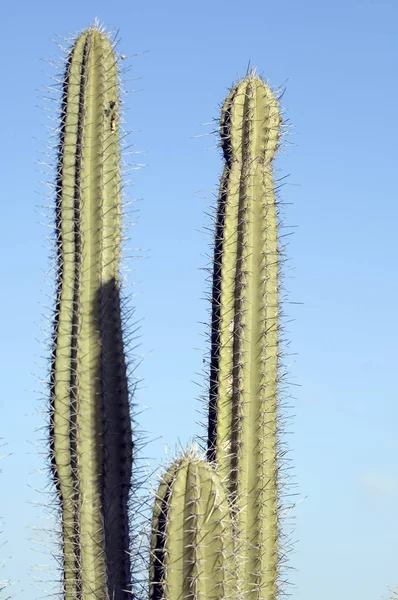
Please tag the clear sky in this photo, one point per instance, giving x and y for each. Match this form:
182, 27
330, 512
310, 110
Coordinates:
338, 62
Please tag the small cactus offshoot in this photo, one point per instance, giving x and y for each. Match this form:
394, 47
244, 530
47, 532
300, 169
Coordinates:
192, 556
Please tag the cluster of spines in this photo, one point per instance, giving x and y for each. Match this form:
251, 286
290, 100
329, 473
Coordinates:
90, 426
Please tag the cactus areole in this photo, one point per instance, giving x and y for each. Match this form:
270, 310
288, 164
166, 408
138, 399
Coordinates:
244, 337
90, 426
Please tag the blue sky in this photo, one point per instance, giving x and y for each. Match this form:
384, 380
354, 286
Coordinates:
338, 63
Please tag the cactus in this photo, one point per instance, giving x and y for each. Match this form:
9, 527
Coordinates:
90, 426
214, 532
192, 544
242, 427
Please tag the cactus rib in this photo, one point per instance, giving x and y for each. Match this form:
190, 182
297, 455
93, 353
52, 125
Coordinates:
242, 428
90, 428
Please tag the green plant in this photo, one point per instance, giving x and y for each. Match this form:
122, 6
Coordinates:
214, 529
90, 437
242, 430
192, 544
243, 404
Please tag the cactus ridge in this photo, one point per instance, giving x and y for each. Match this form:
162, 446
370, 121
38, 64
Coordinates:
242, 425
192, 543
90, 426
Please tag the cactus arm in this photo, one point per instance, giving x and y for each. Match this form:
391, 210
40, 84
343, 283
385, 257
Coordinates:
90, 421
192, 535
243, 391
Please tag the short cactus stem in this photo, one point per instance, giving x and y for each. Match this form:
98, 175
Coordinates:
242, 432
192, 542
90, 432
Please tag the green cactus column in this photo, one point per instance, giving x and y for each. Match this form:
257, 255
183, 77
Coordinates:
192, 544
90, 430
244, 338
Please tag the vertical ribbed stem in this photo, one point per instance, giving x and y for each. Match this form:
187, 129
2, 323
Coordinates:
244, 352
192, 545
90, 434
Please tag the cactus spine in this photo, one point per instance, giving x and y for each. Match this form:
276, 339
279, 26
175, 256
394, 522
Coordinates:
192, 544
242, 430
90, 427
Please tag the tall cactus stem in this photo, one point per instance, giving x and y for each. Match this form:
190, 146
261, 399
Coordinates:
90, 427
242, 430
